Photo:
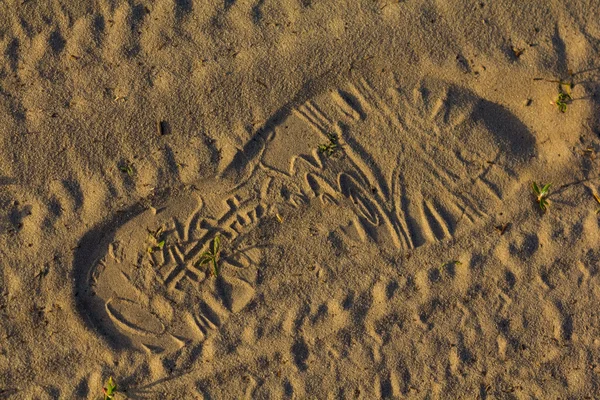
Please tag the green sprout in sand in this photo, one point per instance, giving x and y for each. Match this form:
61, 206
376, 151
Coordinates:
564, 98
564, 95
564, 92
127, 168
541, 194
212, 256
109, 389
157, 242
451, 262
329, 148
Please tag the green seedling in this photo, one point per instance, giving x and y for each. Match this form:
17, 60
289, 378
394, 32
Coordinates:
563, 100
128, 169
159, 246
110, 389
455, 262
212, 256
157, 243
564, 95
541, 194
329, 148
564, 92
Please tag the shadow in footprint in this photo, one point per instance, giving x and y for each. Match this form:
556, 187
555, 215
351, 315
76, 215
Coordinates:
257, 14
5, 181
57, 42
83, 389
567, 321
227, 4
13, 221
513, 136
12, 53
182, 8
300, 353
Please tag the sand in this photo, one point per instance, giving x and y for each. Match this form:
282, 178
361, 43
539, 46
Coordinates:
407, 258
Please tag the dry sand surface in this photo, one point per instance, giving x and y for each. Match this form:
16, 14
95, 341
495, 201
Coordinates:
367, 166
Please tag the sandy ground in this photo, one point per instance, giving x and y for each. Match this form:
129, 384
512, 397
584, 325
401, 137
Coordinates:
366, 165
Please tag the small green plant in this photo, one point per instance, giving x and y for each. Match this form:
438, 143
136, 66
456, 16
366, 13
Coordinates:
212, 256
329, 148
127, 168
563, 100
109, 389
156, 240
159, 246
541, 194
455, 262
564, 91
